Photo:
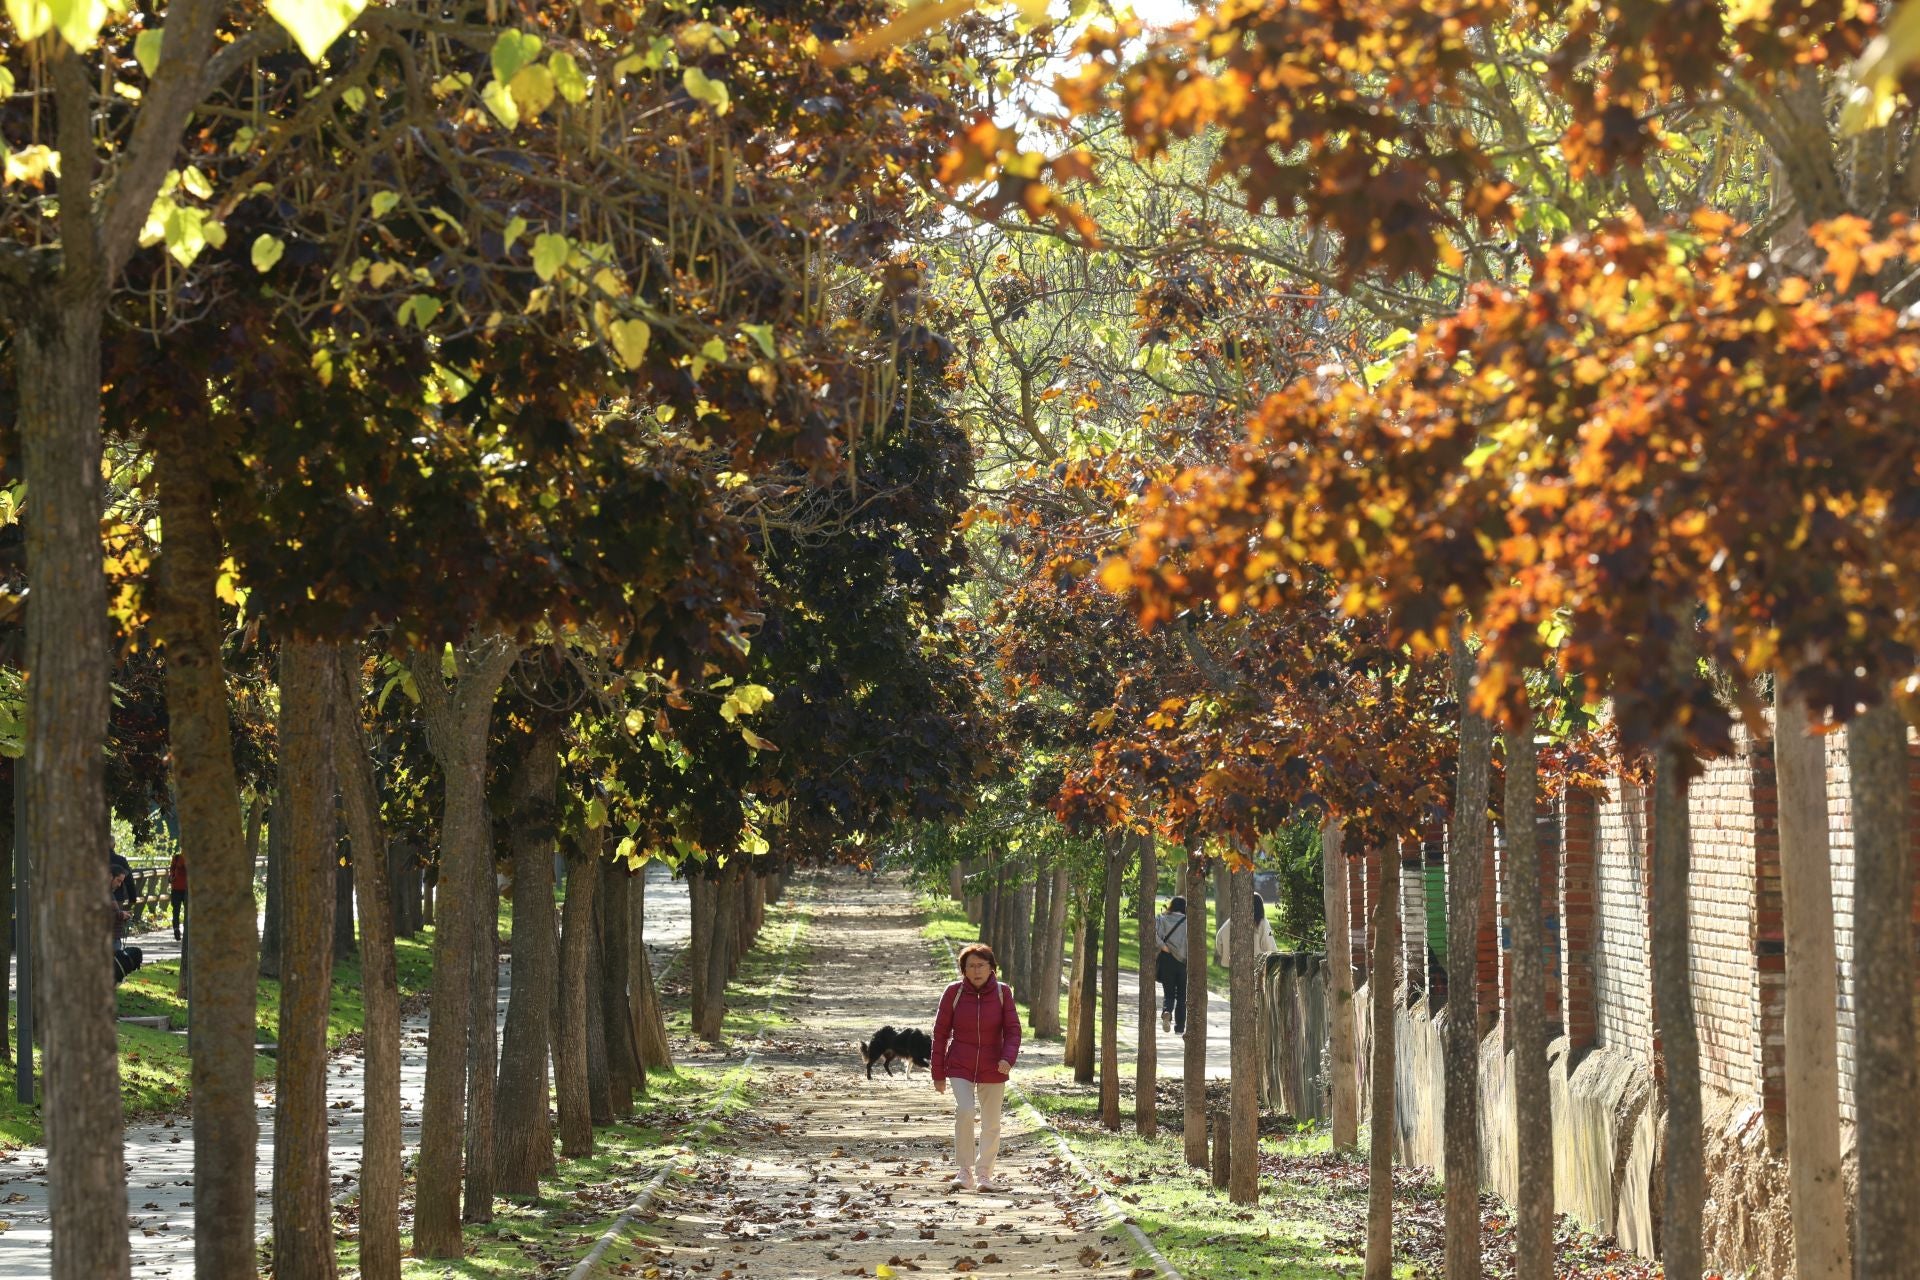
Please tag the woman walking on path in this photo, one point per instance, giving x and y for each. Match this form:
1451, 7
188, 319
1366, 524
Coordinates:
177, 881
1171, 967
1262, 935
976, 1038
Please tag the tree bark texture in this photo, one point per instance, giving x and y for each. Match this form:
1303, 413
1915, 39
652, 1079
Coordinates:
1035, 947
623, 1049
701, 900
1020, 935
599, 1089
1194, 1066
1381, 1075
1682, 1158
302, 1205
1343, 1056
1110, 986
1087, 966
380, 987
570, 1029
1244, 1186
343, 940
649, 1023
1816, 1184
1532, 1102
1076, 992
1146, 1068
189, 619
457, 718
711, 1027
483, 1040
1046, 1020
1886, 1091
1460, 1044
523, 1142
274, 913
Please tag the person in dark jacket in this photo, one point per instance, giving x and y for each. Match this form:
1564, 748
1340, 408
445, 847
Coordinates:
976, 1040
121, 887
1171, 968
177, 882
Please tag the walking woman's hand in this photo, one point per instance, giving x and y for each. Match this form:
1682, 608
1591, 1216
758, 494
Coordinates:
939, 1086
1006, 1068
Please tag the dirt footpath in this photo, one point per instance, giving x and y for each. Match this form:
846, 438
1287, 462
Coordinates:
843, 1177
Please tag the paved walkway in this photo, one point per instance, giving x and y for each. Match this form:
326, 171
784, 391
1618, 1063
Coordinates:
160, 1156
846, 1177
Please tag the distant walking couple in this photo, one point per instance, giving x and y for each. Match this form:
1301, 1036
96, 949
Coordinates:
1171, 967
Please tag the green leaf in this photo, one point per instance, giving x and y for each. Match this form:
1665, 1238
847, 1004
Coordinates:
630, 339
355, 97
762, 334
516, 227
705, 89
1876, 76
315, 24
420, 309
196, 183
384, 202
532, 90
512, 51
744, 701
77, 21
266, 252
568, 78
500, 103
596, 814
146, 52
550, 254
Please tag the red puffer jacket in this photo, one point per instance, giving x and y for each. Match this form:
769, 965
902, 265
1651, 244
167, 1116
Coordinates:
976, 1030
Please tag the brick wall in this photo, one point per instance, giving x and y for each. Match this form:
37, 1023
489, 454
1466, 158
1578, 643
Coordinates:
1623, 997
1840, 849
1720, 806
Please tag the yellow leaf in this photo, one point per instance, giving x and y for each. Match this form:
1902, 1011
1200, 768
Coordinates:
532, 89
315, 24
755, 741
630, 339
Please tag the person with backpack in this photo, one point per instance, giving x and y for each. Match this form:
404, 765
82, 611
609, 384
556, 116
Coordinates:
976, 1040
120, 886
1171, 966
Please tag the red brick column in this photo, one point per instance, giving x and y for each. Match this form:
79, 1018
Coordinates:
1413, 918
1579, 840
1769, 939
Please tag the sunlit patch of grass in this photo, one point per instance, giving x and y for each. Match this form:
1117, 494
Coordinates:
767, 972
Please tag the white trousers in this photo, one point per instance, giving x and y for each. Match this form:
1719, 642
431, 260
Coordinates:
982, 1100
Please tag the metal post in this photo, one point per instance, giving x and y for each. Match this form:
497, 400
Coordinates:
22, 935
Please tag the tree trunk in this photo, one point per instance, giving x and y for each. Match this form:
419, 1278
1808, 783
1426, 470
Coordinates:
56, 364
570, 1029
1020, 953
1381, 1070
380, 989
1110, 985
343, 942
1532, 1102
599, 1087
1076, 988
649, 1022
1036, 948
274, 913
1194, 1064
1245, 1185
1046, 1021
483, 1040
523, 1147
957, 883
1681, 1155
302, 1207
1460, 1043
1146, 1079
403, 877
701, 901
221, 986
712, 1026
623, 1049
1087, 967
457, 719
1886, 1092
1343, 1058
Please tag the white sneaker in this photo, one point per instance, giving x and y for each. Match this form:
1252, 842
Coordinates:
961, 1182
986, 1184
1166, 1022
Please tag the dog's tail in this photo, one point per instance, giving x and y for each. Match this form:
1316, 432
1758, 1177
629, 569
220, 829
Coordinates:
866, 1054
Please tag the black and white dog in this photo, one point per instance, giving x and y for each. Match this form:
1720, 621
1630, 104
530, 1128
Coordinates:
889, 1045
